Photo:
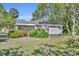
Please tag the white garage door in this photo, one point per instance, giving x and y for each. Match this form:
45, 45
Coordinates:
55, 30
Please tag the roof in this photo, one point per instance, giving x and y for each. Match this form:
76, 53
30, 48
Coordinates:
39, 23
19, 23
48, 25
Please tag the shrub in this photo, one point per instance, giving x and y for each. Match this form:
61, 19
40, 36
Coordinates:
39, 33
11, 52
14, 34
68, 49
25, 33
77, 30
17, 33
70, 41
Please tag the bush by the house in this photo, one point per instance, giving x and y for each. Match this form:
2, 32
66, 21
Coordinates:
58, 49
39, 33
17, 33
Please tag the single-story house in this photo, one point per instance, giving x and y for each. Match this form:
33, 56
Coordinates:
52, 29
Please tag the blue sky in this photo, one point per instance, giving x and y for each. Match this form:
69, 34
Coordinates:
25, 9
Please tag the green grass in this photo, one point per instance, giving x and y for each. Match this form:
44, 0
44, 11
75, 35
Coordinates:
29, 44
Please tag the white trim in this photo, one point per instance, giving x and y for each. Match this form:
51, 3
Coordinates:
24, 24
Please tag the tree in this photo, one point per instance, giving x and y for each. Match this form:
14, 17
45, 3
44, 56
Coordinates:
1, 13
14, 12
39, 13
7, 19
59, 13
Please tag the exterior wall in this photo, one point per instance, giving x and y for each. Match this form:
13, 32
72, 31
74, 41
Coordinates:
21, 27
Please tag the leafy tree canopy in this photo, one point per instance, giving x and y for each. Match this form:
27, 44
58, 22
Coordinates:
8, 18
59, 13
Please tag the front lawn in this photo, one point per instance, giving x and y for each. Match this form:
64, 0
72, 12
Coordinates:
28, 45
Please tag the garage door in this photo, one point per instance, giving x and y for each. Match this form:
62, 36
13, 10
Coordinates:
54, 30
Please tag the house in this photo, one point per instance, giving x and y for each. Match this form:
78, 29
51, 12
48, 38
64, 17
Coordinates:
51, 28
